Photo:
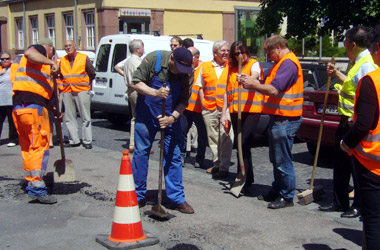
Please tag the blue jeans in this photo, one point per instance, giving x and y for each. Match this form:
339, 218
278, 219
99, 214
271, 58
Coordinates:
146, 128
281, 137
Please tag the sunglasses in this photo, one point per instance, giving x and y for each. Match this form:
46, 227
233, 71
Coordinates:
3, 59
238, 53
173, 45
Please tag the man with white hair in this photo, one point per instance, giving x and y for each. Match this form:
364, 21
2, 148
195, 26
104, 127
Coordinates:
77, 74
136, 47
212, 81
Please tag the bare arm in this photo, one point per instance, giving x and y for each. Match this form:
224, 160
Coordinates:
119, 70
36, 57
332, 70
144, 89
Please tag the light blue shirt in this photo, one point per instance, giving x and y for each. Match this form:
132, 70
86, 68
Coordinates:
364, 69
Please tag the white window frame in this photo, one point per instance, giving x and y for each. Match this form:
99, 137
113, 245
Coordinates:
34, 25
50, 22
20, 33
90, 29
69, 23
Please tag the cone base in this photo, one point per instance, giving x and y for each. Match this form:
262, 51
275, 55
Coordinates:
104, 241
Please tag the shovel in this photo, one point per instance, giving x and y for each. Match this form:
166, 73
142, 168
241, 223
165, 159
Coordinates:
241, 177
309, 195
157, 210
64, 168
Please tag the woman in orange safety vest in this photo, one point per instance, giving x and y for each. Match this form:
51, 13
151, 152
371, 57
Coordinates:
251, 102
362, 140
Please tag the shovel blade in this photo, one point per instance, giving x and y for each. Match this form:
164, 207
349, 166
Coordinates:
238, 185
64, 171
159, 212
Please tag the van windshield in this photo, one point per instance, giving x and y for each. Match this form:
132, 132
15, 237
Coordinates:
102, 58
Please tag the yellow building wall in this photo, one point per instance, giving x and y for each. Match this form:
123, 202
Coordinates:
41, 8
208, 24
189, 5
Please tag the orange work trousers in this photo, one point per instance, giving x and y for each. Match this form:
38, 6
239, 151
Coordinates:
32, 124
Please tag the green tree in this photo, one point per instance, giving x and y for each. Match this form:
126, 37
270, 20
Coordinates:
305, 16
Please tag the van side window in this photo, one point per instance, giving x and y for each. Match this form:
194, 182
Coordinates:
102, 59
119, 54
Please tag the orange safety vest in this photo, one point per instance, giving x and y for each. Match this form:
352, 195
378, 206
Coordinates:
194, 101
14, 67
367, 152
75, 79
251, 101
290, 102
215, 88
34, 78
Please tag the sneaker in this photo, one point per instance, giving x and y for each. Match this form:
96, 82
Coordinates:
45, 199
87, 146
11, 144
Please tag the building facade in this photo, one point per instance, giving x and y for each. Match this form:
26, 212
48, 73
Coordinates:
23, 22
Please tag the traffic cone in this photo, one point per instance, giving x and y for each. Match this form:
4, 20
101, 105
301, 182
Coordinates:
127, 231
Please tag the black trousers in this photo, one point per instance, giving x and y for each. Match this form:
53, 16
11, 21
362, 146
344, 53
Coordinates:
248, 125
369, 191
343, 169
6, 111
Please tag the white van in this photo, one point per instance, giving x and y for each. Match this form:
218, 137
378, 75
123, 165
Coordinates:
91, 55
109, 87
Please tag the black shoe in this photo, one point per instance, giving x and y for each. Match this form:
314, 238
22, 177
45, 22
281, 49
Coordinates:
280, 202
142, 204
269, 197
333, 207
199, 163
87, 146
350, 213
72, 145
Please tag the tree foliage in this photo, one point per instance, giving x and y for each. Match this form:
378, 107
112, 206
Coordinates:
304, 17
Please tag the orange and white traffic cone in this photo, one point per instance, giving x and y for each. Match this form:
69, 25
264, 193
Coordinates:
127, 231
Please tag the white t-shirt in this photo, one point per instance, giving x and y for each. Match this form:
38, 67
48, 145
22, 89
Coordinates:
6, 88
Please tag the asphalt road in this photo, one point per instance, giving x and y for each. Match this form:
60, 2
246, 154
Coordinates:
85, 208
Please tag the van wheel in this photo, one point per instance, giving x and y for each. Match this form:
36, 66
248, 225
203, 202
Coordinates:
117, 119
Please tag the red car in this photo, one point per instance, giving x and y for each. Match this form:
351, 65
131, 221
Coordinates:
315, 81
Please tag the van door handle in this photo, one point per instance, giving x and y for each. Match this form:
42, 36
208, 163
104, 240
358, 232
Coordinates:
110, 83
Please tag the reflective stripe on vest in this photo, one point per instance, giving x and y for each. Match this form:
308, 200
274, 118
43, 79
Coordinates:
194, 101
367, 152
214, 87
33, 78
288, 103
251, 101
76, 77
347, 93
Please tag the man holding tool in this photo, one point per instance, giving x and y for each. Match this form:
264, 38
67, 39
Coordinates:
283, 90
157, 68
356, 50
33, 88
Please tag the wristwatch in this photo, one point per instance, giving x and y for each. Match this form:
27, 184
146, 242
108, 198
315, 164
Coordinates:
175, 118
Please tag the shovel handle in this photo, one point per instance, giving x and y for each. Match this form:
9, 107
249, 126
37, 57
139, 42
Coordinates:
321, 127
58, 126
161, 153
240, 150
